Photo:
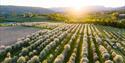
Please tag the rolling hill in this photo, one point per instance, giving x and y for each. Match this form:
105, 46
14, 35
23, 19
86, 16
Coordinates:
23, 9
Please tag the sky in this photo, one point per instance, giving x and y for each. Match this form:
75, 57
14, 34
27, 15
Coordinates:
64, 3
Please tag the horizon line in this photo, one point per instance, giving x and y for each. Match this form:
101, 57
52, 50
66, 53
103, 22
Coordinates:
62, 6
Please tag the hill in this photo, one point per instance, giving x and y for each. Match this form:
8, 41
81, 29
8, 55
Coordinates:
90, 8
22, 9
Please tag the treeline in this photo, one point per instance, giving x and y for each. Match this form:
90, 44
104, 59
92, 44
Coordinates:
25, 17
58, 17
103, 18
110, 19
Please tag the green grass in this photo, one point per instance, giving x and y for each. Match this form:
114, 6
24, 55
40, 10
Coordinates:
26, 19
5, 25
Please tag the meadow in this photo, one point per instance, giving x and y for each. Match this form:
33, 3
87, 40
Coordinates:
26, 19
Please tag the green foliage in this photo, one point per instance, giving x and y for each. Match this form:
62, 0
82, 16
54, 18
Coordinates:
122, 21
75, 43
58, 17
103, 18
24, 51
110, 18
34, 59
5, 25
1, 19
8, 60
25, 19
21, 59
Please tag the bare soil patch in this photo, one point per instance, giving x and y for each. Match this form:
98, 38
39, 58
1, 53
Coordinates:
9, 35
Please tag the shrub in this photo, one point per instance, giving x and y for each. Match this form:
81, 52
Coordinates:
95, 57
8, 54
30, 54
106, 56
108, 61
113, 54
8, 49
34, 59
84, 60
59, 59
67, 47
42, 54
24, 51
118, 59
8, 60
14, 59
34, 52
27, 58
97, 62
21, 59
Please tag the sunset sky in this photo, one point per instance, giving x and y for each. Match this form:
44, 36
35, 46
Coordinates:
64, 3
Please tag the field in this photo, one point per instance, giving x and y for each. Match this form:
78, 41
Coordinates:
69, 43
9, 35
26, 19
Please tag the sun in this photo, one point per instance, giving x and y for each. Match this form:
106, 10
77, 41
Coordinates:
78, 7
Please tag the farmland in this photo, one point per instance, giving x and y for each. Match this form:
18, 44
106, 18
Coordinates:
69, 43
27, 19
9, 35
